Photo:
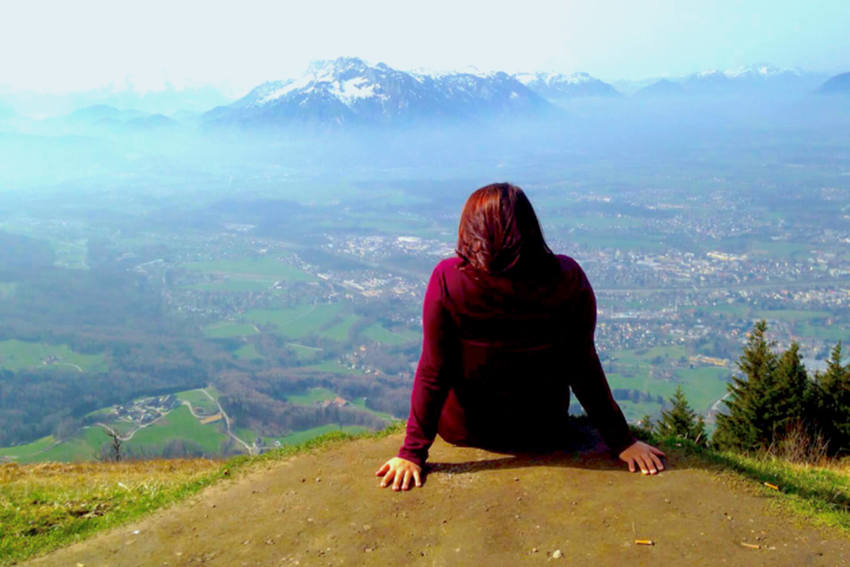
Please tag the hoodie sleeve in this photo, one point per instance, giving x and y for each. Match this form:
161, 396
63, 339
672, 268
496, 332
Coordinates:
589, 382
431, 383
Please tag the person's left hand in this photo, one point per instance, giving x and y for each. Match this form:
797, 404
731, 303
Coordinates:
647, 457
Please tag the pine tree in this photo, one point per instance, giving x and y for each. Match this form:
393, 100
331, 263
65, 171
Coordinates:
832, 403
787, 398
681, 421
749, 425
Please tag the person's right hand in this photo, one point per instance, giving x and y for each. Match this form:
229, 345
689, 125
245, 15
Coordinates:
647, 457
400, 472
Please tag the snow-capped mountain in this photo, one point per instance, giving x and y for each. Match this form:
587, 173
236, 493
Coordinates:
349, 91
756, 78
554, 86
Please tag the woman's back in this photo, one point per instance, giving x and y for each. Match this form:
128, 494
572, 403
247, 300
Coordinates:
507, 348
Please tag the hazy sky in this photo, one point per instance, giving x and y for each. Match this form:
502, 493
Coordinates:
65, 45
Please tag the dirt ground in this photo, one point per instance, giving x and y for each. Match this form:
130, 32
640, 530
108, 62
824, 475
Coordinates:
476, 508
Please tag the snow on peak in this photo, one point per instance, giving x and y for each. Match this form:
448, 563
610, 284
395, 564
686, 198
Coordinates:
549, 79
346, 78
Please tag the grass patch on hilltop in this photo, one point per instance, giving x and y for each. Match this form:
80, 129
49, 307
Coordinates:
820, 493
46, 506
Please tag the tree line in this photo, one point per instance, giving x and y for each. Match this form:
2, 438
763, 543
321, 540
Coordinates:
773, 406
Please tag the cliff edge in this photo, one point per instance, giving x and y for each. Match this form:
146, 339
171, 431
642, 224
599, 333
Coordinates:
476, 508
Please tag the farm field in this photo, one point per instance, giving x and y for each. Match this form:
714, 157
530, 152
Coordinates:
658, 371
199, 401
381, 334
177, 425
19, 355
248, 352
297, 322
228, 329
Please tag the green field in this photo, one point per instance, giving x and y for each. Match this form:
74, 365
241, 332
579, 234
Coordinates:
177, 424
228, 329
297, 322
18, 355
199, 400
396, 336
304, 352
311, 396
83, 446
637, 370
330, 366
29, 450
361, 403
340, 331
248, 352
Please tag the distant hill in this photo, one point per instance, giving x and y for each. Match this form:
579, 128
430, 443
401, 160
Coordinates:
102, 116
348, 91
839, 84
759, 80
661, 88
554, 86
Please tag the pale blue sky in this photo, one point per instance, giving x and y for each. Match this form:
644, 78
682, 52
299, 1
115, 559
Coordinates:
64, 45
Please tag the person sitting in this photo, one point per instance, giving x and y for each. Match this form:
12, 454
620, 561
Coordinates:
508, 329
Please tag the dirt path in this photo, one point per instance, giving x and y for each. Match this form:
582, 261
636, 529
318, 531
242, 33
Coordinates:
477, 508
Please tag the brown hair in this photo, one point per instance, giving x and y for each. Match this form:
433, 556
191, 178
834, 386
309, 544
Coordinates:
499, 232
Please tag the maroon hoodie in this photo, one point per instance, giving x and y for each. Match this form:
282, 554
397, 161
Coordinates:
499, 356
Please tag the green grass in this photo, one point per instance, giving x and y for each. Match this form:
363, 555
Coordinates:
361, 403
178, 424
28, 450
18, 355
340, 331
311, 396
228, 329
248, 352
297, 322
50, 506
300, 437
330, 366
199, 400
82, 446
396, 336
821, 494
304, 352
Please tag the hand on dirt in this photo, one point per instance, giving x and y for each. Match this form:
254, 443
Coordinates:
647, 457
401, 473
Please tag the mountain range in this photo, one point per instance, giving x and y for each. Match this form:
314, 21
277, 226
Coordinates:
349, 91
